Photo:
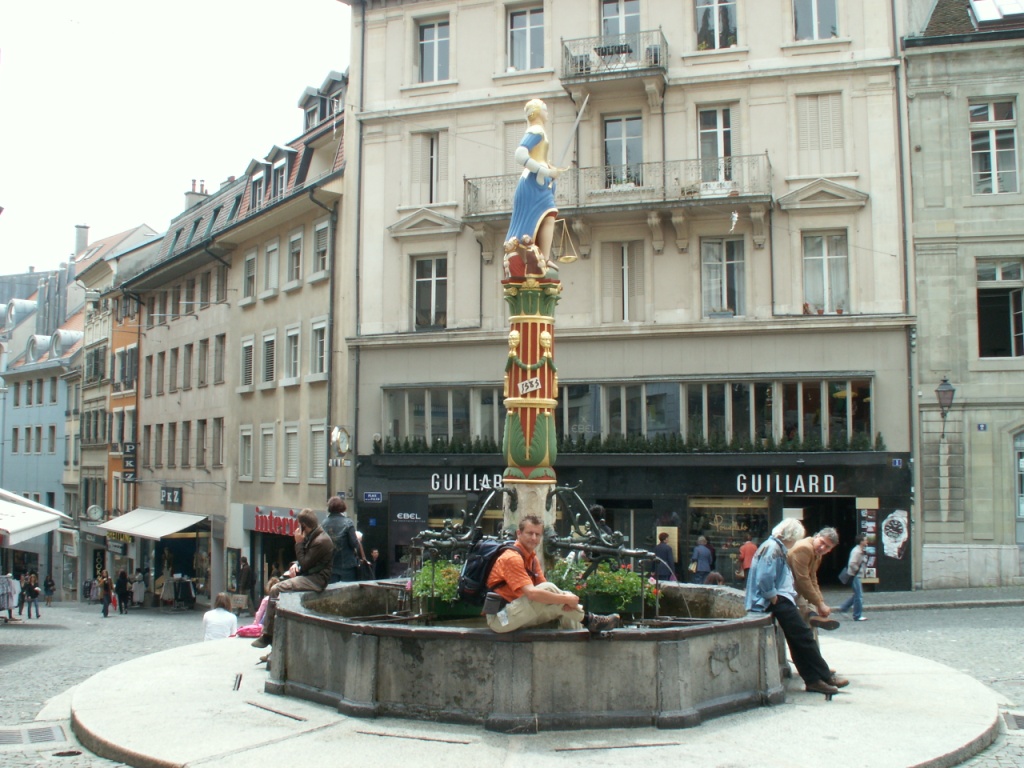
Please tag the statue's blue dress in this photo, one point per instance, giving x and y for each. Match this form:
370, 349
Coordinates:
532, 201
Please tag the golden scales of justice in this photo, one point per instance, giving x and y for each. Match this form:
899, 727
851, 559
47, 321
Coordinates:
562, 246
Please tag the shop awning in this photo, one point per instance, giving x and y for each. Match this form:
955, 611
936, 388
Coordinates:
151, 523
21, 519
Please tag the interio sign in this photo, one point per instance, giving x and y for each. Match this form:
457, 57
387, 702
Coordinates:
281, 522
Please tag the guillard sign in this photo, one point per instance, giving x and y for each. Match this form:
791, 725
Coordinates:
267, 521
455, 481
783, 482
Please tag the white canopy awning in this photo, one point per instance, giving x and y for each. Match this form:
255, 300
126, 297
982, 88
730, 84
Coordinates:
151, 523
21, 519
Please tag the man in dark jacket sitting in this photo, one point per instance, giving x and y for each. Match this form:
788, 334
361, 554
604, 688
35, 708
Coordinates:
314, 553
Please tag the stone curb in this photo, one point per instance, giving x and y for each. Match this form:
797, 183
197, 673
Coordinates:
1003, 603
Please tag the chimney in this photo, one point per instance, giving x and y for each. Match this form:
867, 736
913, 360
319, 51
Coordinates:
81, 237
229, 180
195, 195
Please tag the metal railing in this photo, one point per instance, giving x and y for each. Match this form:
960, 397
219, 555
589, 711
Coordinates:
616, 186
607, 54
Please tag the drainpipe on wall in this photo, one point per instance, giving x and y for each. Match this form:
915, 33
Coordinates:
332, 232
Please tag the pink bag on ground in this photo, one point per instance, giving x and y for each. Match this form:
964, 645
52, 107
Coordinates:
249, 630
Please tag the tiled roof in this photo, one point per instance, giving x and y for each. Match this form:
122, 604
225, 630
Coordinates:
954, 17
101, 248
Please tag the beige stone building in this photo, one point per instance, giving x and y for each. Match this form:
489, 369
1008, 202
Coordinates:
741, 280
964, 98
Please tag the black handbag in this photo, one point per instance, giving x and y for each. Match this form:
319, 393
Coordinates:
844, 576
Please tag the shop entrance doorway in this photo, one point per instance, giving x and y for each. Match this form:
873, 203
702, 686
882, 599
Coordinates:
839, 512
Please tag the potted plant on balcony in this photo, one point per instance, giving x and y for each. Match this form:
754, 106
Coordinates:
605, 590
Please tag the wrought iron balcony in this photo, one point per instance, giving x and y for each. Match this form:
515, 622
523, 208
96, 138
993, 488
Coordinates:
670, 184
618, 55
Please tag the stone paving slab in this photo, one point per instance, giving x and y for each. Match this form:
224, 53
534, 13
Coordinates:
899, 710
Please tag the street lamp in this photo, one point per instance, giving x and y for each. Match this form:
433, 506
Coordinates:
944, 393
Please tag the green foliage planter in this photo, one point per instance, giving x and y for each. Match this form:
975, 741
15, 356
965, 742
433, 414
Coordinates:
605, 590
437, 586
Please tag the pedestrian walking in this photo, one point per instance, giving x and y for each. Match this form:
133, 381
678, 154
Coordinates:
124, 591
49, 588
106, 591
855, 567
702, 559
31, 591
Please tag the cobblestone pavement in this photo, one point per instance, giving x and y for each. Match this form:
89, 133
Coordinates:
42, 659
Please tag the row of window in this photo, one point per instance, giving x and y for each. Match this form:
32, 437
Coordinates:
714, 23
261, 273
185, 366
30, 439
33, 392
187, 298
816, 411
179, 444
285, 368
258, 457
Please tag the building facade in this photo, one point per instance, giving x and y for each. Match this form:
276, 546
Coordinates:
741, 285
968, 239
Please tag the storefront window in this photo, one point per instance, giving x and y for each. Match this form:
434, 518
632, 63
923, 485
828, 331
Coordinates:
394, 414
583, 410
741, 413
838, 418
662, 409
763, 420
716, 414
438, 414
812, 421
634, 410
614, 410
724, 522
460, 414
417, 414
694, 412
860, 408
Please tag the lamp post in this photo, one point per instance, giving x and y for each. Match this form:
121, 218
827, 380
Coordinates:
944, 393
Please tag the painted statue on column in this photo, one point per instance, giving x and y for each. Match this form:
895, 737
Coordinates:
532, 290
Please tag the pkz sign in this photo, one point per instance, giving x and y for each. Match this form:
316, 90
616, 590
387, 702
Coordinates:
170, 497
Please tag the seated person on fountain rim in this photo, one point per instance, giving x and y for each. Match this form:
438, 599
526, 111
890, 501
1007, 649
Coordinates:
518, 578
314, 557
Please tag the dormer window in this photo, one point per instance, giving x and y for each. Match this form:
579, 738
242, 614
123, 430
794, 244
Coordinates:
279, 178
312, 116
334, 103
256, 196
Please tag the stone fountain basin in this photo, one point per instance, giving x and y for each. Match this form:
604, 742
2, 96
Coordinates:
531, 680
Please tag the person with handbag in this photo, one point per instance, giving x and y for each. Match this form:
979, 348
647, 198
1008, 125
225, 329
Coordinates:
701, 560
851, 574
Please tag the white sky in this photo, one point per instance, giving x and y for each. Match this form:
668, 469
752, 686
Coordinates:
109, 108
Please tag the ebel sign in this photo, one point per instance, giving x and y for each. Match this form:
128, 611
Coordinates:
784, 482
456, 481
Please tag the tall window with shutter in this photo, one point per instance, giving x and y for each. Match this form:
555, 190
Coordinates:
318, 453
622, 283
320, 232
430, 167
820, 133
246, 372
267, 457
291, 452
269, 358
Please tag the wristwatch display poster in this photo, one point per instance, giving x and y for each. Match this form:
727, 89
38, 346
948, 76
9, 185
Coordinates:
895, 532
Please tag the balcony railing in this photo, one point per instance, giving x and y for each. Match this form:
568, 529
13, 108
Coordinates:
665, 184
614, 54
